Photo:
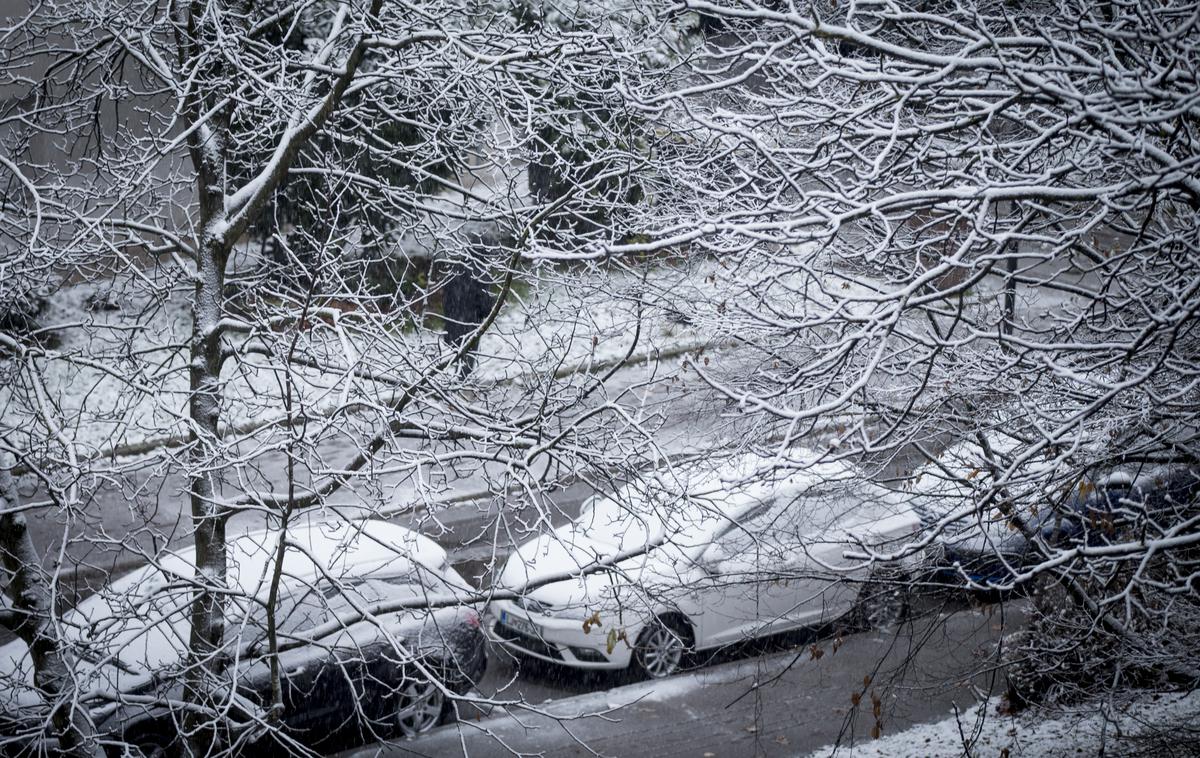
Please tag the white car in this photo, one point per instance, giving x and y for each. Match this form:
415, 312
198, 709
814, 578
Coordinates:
702, 563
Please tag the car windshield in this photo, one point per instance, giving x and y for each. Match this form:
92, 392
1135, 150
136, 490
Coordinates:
632, 519
624, 526
799, 516
140, 621
303, 606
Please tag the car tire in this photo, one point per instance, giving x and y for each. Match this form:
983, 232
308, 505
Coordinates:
662, 647
883, 600
152, 745
420, 705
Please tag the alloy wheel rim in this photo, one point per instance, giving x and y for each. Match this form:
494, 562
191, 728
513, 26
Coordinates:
420, 707
662, 652
152, 749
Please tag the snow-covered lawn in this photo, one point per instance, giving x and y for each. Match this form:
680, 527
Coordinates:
1145, 723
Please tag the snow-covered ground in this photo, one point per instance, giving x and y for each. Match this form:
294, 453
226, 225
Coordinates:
1144, 723
565, 325
117, 379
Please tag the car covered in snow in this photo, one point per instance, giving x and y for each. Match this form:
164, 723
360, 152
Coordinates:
995, 550
348, 664
704, 560
985, 546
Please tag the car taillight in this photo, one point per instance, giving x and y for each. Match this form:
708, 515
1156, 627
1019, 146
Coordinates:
473, 619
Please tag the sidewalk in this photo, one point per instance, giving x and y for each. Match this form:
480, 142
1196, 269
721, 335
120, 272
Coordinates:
716, 711
1134, 723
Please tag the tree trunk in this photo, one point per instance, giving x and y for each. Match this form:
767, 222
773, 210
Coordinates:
206, 645
32, 598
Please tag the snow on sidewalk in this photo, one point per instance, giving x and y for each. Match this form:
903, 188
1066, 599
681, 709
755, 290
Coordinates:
1164, 721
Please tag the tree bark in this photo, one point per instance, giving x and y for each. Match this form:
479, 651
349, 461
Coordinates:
220, 226
203, 729
32, 609
208, 515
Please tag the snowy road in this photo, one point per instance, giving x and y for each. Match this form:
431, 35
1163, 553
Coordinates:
786, 701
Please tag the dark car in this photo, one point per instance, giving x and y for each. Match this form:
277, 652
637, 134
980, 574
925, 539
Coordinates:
346, 674
1119, 506
1150, 505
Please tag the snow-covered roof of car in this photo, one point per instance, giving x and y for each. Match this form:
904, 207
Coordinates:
690, 502
363, 548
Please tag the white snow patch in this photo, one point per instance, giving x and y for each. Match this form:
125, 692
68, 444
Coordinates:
1127, 728
628, 695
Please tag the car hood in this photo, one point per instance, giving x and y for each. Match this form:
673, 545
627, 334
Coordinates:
567, 551
96, 677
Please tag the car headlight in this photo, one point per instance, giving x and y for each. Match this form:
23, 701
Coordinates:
548, 609
531, 605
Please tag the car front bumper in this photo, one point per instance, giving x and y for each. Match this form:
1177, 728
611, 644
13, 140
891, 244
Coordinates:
556, 640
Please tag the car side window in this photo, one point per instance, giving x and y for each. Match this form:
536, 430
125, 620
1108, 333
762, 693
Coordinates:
746, 534
303, 607
787, 522
746, 522
306, 610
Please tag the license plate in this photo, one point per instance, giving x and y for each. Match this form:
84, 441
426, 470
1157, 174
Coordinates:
522, 625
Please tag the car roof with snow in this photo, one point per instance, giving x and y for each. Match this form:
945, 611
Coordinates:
359, 549
316, 548
689, 503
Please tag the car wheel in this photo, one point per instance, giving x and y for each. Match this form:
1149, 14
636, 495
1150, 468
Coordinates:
661, 647
882, 600
152, 750
152, 746
419, 707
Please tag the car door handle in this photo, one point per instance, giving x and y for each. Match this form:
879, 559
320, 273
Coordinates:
296, 671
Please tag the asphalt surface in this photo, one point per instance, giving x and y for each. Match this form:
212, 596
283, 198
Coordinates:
705, 713
788, 696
